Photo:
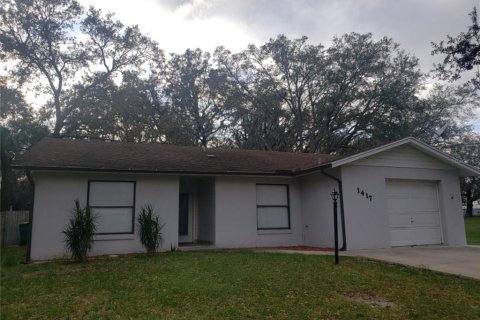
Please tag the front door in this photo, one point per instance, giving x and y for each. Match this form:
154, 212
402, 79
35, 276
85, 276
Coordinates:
184, 221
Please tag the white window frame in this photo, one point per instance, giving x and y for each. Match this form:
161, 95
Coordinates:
287, 206
132, 207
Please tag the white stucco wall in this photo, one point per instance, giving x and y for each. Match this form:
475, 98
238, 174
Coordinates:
317, 209
367, 222
55, 193
236, 214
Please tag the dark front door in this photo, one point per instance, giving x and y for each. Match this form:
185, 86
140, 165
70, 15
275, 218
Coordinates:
183, 230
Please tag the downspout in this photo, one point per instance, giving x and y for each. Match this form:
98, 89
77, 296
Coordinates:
342, 214
30, 216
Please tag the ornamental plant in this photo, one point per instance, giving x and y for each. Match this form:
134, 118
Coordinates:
79, 232
150, 229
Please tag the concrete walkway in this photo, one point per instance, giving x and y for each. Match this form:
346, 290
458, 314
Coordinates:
462, 261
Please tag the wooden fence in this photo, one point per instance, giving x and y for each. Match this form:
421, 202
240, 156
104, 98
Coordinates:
9, 221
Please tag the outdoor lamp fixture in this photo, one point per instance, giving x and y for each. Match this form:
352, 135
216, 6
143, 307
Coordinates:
335, 195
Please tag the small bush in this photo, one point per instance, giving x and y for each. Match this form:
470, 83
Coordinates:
79, 232
150, 229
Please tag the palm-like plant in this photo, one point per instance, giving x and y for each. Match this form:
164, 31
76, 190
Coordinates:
79, 232
150, 229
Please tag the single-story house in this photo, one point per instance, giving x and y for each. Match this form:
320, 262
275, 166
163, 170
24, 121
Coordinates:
400, 194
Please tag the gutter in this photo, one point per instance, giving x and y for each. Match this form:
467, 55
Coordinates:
342, 212
30, 217
278, 173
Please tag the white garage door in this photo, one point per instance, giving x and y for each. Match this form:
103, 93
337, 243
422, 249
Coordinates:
413, 213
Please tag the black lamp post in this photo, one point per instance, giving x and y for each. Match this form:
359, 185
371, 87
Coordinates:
335, 195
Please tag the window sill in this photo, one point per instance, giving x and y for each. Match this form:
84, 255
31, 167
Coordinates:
106, 237
273, 231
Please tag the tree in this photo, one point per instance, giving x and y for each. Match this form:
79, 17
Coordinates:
136, 110
293, 96
366, 83
43, 37
462, 53
443, 113
197, 95
19, 129
467, 148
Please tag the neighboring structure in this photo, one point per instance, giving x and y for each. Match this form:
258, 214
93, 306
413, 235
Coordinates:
402, 193
475, 209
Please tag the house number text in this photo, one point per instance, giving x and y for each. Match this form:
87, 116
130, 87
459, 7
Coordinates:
364, 194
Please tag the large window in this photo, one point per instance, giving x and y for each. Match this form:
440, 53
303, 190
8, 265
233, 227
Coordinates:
273, 210
114, 204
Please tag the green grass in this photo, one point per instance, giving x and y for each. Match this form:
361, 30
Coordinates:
231, 284
472, 228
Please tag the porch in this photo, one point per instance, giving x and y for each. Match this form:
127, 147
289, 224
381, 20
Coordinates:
196, 216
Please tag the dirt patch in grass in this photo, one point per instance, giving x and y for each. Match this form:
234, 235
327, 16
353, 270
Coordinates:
370, 300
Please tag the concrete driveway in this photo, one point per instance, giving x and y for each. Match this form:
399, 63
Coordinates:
462, 261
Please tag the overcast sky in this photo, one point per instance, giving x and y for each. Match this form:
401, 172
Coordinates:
181, 24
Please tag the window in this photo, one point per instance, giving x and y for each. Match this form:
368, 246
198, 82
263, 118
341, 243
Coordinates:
114, 204
273, 210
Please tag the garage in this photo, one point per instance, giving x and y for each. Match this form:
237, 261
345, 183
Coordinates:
404, 193
413, 212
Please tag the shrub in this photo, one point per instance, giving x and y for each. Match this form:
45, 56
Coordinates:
150, 229
79, 232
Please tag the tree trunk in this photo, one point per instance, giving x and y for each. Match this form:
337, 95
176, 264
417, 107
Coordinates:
58, 127
469, 200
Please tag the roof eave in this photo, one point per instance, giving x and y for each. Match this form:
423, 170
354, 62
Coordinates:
179, 172
313, 169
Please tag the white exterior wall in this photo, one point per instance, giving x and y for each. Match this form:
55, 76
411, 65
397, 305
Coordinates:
317, 209
367, 222
236, 214
55, 193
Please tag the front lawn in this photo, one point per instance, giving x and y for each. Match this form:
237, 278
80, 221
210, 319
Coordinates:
472, 228
232, 284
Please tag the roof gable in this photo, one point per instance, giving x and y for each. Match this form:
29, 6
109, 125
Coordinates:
408, 152
404, 156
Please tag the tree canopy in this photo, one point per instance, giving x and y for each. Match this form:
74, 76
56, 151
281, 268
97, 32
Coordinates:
103, 79
70, 52
467, 148
19, 129
461, 53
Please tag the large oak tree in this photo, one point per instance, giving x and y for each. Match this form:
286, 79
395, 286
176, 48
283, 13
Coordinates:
68, 52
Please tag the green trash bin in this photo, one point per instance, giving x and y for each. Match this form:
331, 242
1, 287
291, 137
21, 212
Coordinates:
23, 230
